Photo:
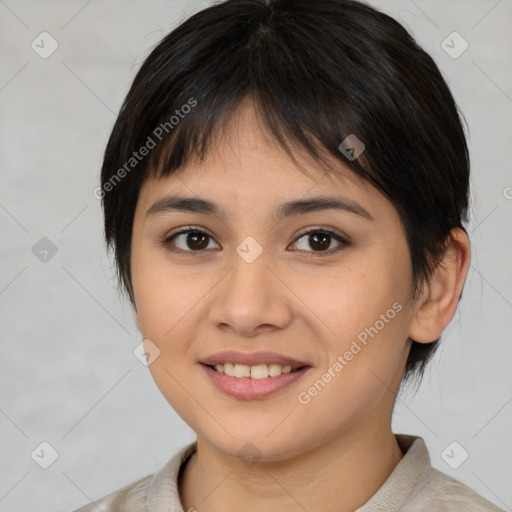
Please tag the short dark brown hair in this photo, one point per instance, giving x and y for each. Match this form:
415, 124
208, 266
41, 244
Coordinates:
317, 71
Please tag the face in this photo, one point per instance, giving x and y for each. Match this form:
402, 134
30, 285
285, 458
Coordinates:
326, 287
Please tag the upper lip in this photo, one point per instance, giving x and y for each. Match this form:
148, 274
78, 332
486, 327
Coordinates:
251, 359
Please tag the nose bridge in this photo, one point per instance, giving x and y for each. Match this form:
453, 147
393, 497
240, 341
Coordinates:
250, 276
250, 294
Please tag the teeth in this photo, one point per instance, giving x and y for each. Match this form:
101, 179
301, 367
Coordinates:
229, 369
242, 370
259, 371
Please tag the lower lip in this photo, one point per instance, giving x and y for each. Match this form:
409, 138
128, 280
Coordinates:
247, 388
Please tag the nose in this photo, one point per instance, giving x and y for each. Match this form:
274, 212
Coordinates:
252, 298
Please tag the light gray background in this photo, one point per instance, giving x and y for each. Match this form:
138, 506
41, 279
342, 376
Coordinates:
68, 375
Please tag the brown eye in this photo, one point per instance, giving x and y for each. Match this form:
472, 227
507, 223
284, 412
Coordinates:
196, 240
189, 240
320, 241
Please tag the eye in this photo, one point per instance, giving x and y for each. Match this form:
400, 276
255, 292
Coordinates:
196, 240
192, 239
320, 239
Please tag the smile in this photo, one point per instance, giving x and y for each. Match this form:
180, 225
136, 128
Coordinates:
252, 382
259, 371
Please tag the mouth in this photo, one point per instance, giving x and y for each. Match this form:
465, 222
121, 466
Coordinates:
252, 364
259, 371
251, 376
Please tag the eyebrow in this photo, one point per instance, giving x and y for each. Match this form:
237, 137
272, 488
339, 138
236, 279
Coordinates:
205, 207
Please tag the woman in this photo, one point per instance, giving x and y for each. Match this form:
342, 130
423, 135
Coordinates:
285, 190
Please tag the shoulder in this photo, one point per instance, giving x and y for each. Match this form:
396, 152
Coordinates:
154, 492
440, 492
131, 498
416, 486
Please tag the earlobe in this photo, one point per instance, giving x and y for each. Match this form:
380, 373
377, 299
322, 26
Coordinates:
438, 302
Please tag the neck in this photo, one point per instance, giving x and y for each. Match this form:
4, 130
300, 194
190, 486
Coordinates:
340, 474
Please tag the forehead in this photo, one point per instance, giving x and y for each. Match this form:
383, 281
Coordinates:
245, 160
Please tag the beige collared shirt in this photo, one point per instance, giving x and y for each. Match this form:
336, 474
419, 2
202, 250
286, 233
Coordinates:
413, 486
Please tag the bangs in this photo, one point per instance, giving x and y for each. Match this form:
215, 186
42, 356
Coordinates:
302, 99
197, 137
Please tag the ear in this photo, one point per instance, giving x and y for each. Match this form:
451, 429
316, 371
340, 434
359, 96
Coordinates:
438, 302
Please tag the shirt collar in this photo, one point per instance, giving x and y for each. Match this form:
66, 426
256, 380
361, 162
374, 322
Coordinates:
162, 492
397, 489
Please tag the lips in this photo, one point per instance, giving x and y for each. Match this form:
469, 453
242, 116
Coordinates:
252, 388
252, 359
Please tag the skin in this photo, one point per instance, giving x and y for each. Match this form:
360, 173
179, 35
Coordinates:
336, 451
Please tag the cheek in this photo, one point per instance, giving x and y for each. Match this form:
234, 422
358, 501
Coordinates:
353, 298
168, 305
364, 357
365, 311
165, 306
159, 294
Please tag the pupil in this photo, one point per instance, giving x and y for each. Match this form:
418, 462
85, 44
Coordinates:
196, 236
324, 244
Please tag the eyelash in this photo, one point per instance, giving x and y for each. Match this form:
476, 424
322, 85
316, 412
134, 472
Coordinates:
310, 254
